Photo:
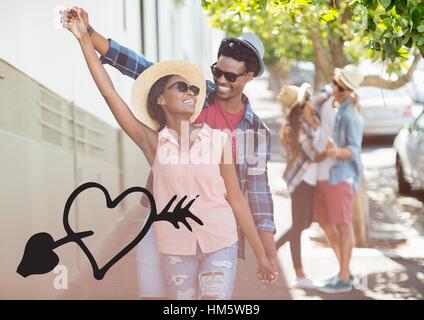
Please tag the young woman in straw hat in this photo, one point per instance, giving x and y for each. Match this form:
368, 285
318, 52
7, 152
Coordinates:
186, 161
299, 137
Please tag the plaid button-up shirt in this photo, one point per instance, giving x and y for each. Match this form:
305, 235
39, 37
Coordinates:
253, 142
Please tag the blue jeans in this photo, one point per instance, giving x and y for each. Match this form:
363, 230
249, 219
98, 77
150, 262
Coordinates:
149, 268
203, 276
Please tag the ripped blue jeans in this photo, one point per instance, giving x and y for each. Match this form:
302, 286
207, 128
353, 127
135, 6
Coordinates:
203, 276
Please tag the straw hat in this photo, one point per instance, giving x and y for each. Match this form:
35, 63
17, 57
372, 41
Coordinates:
349, 76
291, 95
145, 81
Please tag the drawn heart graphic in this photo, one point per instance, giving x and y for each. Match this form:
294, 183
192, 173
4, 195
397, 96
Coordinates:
39, 257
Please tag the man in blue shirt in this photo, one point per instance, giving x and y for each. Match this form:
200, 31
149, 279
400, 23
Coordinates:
338, 176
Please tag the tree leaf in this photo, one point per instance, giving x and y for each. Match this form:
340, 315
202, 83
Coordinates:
263, 4
401, 6
415, 15
329, 15
385, 3
303, 2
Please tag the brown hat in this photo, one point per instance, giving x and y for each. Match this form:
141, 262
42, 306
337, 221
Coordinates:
291, 95
350, 76
145, 81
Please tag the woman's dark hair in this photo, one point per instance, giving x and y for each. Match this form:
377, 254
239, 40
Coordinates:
154, 110
295, 124
238, 51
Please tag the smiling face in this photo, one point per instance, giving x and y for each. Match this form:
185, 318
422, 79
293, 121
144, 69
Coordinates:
174, 101
225, 89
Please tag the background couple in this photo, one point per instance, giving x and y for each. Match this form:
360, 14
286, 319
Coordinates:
322, 138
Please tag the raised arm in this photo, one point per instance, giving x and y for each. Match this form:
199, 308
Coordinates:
101, 44
142, 135
127, 61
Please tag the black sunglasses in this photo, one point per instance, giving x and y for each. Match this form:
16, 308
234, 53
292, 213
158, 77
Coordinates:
341, 89
229, 76
184, 87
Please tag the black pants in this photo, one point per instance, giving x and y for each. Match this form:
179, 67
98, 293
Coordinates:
302, 208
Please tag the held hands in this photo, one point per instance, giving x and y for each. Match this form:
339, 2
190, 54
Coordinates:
275, 270
76, 21
267, 270
332, 150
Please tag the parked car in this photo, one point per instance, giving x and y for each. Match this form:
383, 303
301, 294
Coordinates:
384, 111
414, 89
409, 146
416, 85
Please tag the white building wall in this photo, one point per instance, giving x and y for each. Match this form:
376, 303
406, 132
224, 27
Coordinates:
185, 34
35, 45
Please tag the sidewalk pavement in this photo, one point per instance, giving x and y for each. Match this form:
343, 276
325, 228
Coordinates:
377, 274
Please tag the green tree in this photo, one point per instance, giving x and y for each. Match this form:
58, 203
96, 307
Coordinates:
392, 26
329, 33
